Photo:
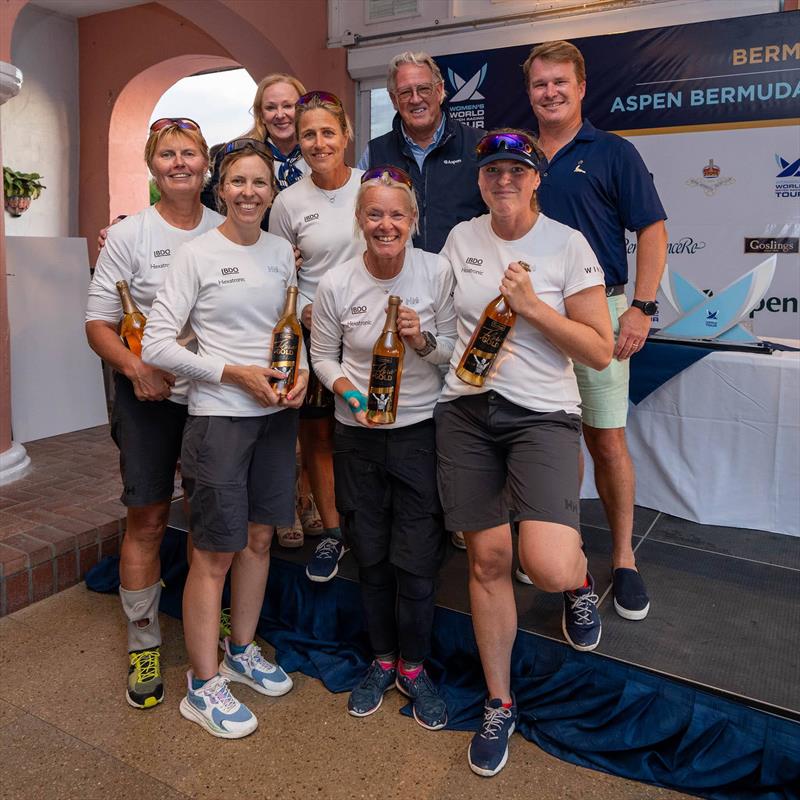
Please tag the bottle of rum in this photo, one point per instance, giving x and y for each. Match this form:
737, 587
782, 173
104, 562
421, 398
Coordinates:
287, 341
387, 369
131, 326
496, 321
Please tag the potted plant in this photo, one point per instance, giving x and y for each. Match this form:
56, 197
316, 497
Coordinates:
19, 188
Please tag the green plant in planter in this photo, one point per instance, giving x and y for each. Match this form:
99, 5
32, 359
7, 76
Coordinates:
19, 188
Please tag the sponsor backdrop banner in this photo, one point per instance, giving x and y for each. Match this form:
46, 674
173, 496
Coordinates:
714, 109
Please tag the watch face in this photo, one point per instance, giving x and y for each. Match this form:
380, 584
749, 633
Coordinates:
647, 307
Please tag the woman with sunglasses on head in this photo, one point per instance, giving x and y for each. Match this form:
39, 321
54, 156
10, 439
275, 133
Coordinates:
515, 424
237, 459
386, 474
149, 403
316, 216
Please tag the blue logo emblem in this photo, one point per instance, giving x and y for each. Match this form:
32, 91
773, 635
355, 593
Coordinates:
712, 315
787, 169
467, 90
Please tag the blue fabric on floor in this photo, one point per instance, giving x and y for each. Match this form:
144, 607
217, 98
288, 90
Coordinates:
581, 707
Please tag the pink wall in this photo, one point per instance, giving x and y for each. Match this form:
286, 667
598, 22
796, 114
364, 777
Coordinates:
128, 58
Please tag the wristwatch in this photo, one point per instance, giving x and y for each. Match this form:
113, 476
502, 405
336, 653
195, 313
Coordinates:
647, 307
429, 346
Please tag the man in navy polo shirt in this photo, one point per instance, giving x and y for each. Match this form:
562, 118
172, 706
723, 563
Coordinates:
597, 182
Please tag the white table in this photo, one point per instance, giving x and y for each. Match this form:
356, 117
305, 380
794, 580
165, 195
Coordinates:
719, 443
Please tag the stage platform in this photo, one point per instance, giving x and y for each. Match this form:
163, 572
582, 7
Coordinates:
724, 615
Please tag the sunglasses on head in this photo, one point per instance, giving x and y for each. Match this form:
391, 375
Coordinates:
322, 97
178, 122
395, 173
518, 143
235, 145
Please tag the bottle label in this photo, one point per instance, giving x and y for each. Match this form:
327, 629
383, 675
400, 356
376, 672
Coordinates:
284, 350
382, 383
487, 344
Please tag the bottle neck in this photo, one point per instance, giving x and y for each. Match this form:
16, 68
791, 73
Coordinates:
128, 306
291, 302
391, 318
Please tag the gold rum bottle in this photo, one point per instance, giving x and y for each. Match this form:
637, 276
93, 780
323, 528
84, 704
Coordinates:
287, 342
495, 323
131, 326
387, 369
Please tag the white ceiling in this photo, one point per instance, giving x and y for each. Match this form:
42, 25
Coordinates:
85, 8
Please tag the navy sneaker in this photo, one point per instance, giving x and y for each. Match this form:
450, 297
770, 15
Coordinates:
367, 697
581, 619
324, 563
429, 709
630, 596
488, 750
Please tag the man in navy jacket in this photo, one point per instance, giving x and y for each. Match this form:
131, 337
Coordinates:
435, 150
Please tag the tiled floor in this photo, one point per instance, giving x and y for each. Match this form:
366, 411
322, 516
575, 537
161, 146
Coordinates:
57, 521
67, 733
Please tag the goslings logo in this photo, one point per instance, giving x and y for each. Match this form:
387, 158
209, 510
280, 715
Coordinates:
463, 105
712, 179
787, 181
772, 244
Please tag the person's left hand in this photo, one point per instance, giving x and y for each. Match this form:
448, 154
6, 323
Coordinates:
517, 288
408, 327
296, 397
634, 326
298, 259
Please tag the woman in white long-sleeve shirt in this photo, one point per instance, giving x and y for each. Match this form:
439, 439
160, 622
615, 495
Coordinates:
149, 404
386, 475
238, 449
316, 216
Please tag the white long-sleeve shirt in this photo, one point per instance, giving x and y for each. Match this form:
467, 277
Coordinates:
232, 295
320, 223
349, 314
140, 250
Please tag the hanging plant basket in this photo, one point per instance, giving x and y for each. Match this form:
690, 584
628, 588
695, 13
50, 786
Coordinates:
19, 188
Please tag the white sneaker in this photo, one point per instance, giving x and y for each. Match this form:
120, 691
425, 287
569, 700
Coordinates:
214, 708
253, 670
457, 539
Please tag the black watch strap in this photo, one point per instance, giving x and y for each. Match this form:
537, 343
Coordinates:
647, 307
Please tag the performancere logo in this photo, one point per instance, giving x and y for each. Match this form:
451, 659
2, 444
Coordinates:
712, 179
787, 181
466, 103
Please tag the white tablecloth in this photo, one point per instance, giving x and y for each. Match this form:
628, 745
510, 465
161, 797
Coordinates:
719, 443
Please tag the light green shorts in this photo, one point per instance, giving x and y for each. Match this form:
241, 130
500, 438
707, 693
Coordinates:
604, 395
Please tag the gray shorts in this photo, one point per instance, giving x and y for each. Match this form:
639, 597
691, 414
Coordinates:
493, 453
235, 470
148, 434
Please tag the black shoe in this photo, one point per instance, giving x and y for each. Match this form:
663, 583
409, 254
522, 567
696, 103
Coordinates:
630, 596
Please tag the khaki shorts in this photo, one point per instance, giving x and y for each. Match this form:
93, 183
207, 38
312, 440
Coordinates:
604, 395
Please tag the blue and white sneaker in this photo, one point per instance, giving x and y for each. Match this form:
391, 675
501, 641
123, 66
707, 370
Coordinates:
367, 697
428, 708
630, 595
324, 563
581, 618
253, 670
214, 708
488, 750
